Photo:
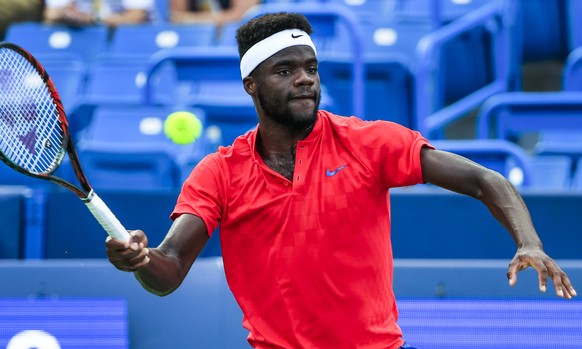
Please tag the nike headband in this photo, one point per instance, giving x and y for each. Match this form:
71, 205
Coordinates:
267, 47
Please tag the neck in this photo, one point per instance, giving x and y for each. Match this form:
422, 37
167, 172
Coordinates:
279, 138
277, 146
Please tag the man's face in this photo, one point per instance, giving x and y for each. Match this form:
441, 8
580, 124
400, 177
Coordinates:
287, 87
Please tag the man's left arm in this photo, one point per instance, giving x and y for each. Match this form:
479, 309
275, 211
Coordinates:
458, 174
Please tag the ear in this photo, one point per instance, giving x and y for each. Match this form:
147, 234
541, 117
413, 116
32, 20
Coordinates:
250, 85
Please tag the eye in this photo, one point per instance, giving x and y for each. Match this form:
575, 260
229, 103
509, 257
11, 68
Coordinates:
284, 72
312, 70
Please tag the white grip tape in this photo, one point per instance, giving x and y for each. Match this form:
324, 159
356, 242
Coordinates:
107, 219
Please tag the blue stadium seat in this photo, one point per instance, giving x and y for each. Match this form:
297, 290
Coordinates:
572, 77
577, 179
460, 65
146, 39
499, 155
574, 8
11, 177
556, 117
69, 77
560, 142
512, 161
205, 78
544, 30
75, 43
389, 49
121, 79
509, 114
125, 146
367, 10
440, 12
551, 172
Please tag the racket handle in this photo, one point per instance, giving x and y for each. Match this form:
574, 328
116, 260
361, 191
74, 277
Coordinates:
106, 218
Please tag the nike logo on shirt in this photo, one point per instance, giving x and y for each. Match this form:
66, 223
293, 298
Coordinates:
331, 173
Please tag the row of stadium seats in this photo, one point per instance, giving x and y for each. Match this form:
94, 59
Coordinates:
410, 69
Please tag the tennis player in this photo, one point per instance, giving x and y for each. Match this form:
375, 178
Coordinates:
304, 211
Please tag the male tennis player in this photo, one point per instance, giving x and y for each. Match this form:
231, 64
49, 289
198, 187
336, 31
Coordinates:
304, 212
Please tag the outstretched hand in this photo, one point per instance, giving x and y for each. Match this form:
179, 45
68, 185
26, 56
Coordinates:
545, 266
128, 256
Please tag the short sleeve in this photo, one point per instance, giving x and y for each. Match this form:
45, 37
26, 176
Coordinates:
202, 193
392, 151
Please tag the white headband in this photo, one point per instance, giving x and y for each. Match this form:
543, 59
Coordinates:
267, 47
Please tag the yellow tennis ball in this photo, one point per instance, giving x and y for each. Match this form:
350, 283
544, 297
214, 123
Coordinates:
182, 127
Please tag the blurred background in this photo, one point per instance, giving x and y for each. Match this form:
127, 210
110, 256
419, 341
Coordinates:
497, 81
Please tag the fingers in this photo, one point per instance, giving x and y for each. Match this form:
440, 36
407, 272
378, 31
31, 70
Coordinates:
546, 268
129, 256
515, 266
562, 283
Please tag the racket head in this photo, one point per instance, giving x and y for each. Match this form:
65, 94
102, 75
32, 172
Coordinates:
34, 132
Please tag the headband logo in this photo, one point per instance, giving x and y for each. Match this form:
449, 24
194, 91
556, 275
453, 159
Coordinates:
267, 47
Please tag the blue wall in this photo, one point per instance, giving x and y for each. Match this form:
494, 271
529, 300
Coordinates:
426, 224
203, 314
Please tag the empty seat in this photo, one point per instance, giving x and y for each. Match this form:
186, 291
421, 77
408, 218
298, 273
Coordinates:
205, 78
121, 79
125, 146
507, 115
577, 179
560, 142
460, 65
551, 172
146, 39
572, 76
573, 10
499, 155
68, 77
75, 43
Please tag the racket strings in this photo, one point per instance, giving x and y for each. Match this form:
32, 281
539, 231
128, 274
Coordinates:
30, 132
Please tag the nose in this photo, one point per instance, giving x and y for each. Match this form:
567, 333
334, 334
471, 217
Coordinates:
304, 78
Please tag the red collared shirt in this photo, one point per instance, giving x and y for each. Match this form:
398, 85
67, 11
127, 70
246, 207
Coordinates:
310, 260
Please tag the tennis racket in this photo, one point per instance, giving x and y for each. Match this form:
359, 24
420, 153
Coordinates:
34, 132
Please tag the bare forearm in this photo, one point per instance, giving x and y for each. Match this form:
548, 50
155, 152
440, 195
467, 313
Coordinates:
162, 275
507, 206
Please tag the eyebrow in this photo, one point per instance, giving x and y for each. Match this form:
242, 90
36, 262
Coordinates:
294, 62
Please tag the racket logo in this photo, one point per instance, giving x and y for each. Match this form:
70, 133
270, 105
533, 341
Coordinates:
7, 118
5, 79
29, 140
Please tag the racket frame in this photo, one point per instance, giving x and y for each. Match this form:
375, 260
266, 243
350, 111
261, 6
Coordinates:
85, 192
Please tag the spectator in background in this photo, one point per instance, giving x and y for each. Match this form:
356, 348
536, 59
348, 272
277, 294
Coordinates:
209, 11
112, 13
14, 11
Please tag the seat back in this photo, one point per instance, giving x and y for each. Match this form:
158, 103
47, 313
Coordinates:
551, 172
84, 43
572, 77
501, 156
122, 79
126, 146
146, 39
69, 77
507, 115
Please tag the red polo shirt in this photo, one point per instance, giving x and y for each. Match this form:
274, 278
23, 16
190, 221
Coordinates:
310, 260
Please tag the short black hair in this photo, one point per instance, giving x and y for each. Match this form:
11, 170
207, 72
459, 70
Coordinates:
266, 25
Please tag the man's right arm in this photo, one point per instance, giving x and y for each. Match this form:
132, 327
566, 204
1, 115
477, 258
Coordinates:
161, 270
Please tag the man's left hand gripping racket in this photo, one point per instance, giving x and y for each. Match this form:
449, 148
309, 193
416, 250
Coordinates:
34, 132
